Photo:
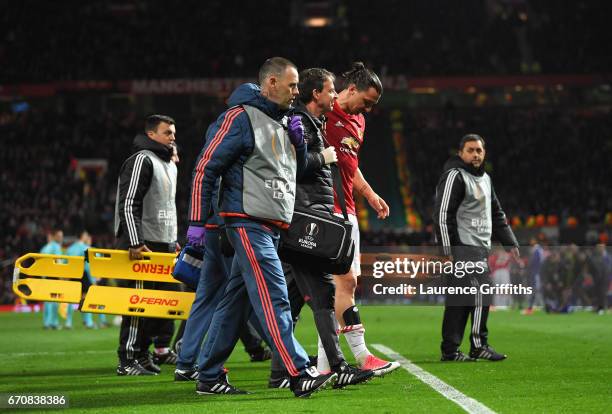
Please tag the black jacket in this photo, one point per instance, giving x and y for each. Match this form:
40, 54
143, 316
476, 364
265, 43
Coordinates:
453, 197
315, 189
135, 177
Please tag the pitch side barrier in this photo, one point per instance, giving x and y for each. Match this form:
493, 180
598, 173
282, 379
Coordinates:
58, 278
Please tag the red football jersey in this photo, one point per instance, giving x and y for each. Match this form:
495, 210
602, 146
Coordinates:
345, 133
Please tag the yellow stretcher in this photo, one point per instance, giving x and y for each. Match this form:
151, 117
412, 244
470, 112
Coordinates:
58, 278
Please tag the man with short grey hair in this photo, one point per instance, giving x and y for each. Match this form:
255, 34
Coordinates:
259, 152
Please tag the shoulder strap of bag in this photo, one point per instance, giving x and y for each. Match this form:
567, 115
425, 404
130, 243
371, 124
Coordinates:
336, 177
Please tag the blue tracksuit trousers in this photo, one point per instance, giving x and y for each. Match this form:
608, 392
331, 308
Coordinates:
212, 284
256, 277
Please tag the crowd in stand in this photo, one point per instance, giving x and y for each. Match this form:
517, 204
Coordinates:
543, 161
43, 187
562, 277
130, 39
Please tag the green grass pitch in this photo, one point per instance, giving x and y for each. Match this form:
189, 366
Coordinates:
557, 363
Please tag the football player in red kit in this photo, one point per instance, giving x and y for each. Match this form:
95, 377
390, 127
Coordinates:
345, 128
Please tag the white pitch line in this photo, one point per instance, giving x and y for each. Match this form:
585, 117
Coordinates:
59, 353
63, 353
468, 404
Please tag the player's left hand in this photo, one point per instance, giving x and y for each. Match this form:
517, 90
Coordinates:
378, 204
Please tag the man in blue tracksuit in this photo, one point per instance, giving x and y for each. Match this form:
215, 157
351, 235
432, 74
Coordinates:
50, 309
256, 150
212, 283
214, 276
213, 280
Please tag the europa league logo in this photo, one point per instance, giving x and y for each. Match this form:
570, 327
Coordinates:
312, 229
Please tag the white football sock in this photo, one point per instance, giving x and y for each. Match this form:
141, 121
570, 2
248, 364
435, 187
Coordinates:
322, 362
355, 336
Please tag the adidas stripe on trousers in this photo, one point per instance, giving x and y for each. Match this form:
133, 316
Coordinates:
458, 308
137, 333
256, 286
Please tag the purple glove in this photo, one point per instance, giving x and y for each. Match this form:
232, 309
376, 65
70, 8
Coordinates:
195, 235
296, 131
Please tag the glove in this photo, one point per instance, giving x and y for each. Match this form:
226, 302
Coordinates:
296, 131
195, 235
329, 155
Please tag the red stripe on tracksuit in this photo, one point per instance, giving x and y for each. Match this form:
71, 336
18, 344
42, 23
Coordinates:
196, 189
266, 303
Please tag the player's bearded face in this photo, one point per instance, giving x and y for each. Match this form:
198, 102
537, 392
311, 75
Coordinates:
362, 101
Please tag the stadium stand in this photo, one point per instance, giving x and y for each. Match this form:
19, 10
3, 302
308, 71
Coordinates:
76, 40
531, 147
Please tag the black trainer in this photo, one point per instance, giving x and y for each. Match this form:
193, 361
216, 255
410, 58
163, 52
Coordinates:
311, 381
486, 352
133, 368
168, 358
147, 363
457, 356
221, 386
279, 379
261, 355
350, 375
185, 375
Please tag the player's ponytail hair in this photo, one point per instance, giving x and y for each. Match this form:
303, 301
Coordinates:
362, 77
